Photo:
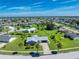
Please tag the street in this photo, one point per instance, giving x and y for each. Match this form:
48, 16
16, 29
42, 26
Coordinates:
71, 55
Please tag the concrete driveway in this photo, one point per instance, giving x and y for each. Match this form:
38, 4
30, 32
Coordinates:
45, 47
2, 44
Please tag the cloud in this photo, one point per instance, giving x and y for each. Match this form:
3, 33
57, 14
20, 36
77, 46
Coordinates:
75, 7
1, 7
54, 0
36, 6
61, 11
29, 8
57, 12
19, 8
68, 1
37, 3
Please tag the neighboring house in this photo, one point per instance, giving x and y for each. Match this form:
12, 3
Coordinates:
72, 36
28, 30
31, 30
2, 33
61, 29
6, 38
37, 39
11, 29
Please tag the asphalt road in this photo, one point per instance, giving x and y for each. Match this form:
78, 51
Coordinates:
71, 55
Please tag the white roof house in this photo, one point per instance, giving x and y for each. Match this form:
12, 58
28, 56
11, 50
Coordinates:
28, 30
33, 38
12, 29
61, 29
31, 30
37, 39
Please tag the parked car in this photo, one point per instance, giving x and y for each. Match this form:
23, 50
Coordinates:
34, 54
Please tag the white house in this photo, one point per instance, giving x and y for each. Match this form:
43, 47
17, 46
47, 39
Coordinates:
36, 39
31, 30
12, 29
61, 29
28, 30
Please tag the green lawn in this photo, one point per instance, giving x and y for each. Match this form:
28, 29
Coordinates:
66, 42
18, 44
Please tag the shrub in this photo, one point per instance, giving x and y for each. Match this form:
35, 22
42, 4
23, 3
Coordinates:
15, 53
54, 52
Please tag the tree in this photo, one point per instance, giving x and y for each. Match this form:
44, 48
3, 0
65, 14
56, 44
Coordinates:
20, 44
6, 29
37, 46
1, 29
59, 45
52, 37
49, 26
18, 27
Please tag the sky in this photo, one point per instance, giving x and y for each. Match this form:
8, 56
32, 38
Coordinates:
39, 7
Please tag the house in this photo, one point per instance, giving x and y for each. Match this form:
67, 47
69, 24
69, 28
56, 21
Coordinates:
72, 36
61, 29
28, 30
36, 39
11, 29
5, 38
31, 30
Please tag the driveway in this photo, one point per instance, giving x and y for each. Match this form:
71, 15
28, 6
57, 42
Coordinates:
2, 44
45, 47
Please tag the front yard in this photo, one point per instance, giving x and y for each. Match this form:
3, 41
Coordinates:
18, 44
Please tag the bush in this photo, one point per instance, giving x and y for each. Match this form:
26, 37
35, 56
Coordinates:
15, 53
54, 52
20, 44
28, 47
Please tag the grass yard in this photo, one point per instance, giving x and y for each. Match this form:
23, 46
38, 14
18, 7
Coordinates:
66, 42
18, 44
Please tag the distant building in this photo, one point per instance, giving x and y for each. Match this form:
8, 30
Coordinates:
11, 29
28, 30
31, 30
5, 38
61, 29
35, 39
72, 36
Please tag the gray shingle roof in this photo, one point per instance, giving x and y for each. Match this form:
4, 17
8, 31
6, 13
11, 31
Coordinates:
36, 38
71, 35
5, 38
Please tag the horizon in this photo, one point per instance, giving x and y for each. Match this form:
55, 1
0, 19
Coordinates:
29, 8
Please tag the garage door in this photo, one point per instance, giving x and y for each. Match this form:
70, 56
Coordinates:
44, 41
